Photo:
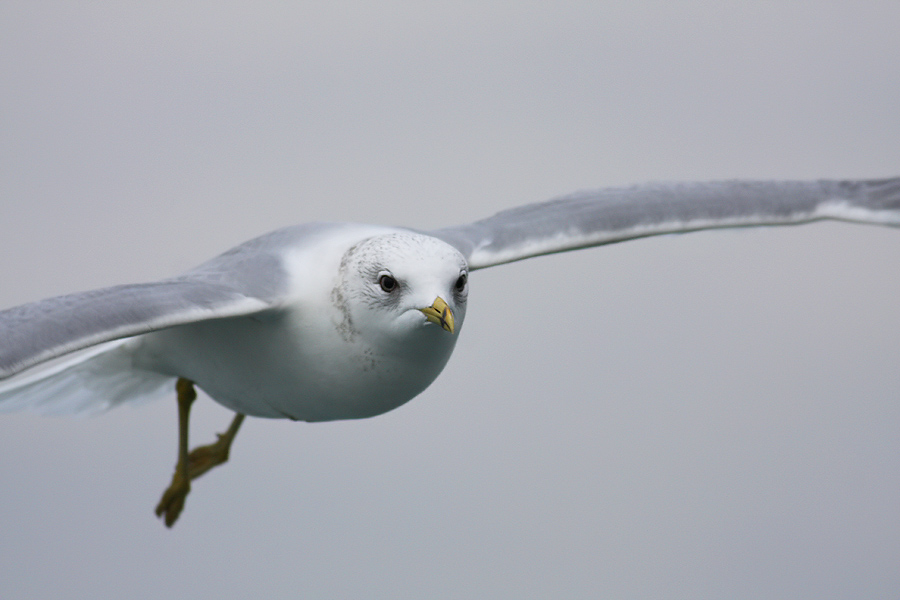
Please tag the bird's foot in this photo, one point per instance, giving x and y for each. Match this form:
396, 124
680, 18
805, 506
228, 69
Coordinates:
172, 501
203, 458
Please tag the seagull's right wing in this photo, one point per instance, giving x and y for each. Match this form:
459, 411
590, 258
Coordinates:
33, 333
594, 218
247, 279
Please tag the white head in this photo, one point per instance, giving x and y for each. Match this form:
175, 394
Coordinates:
403, 289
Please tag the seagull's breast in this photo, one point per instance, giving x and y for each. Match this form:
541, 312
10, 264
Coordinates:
293, 365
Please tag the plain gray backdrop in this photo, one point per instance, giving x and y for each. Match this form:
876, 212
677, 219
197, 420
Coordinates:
712, 415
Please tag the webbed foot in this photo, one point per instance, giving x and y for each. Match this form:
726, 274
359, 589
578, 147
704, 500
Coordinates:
204, 458
172, 501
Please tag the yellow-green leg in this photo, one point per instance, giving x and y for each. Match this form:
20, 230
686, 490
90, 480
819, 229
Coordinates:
173, 498
193, 465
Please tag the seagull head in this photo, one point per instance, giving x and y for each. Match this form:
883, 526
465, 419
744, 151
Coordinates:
404, 288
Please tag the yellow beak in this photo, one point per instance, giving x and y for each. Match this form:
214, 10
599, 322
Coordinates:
440, 313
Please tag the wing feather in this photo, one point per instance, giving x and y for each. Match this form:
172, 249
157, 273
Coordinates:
33, 333
248, 279
607, 216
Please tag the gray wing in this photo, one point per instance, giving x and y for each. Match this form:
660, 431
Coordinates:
594, 218
33, 333
245, 280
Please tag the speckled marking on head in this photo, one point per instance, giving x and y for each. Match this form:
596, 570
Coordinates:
345, 326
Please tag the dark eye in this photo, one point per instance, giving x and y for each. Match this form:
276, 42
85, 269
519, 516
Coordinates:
461, 282
387, 283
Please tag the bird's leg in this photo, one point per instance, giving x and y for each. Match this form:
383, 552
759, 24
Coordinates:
204, 458
173, 498
199, 461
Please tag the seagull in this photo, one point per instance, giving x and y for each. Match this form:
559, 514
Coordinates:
328, 321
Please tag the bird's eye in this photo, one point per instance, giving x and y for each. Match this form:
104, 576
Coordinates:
387, 283
461, 282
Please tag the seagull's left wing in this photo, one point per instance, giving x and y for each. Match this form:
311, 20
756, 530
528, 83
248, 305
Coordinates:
612, 215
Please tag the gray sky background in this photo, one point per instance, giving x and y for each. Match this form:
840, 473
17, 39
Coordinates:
707, 416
